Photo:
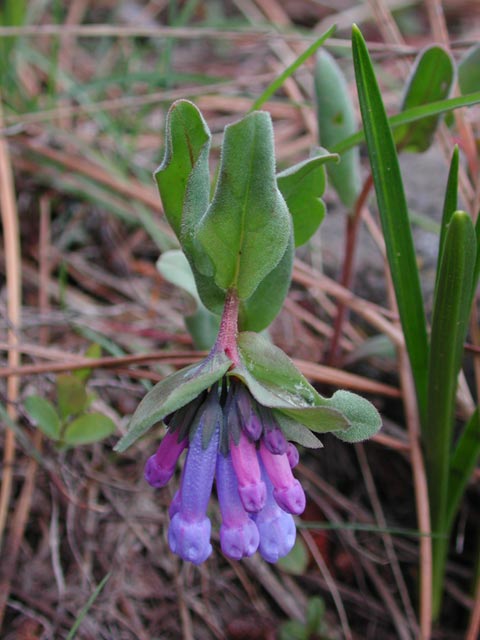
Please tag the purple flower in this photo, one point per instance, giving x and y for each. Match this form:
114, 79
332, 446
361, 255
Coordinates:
233, 439
276, 527
250, 484
238, 534
161, 466
189, 533
288, 492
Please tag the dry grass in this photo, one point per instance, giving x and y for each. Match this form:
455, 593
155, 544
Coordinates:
84, 105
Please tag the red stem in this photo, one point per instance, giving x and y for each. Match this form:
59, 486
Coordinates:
227, 335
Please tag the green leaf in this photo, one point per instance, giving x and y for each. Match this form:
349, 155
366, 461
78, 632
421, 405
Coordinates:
469, 71
174, 267
278, 82
265, 303
449, 208
315, 616
462, 464
183, 180
302, 187
275, 382
270, 366
87, 429
293, 630
430, 81
394, 216
43, 415
362, 416
336, 121
173, 392
187, 140
296, 432
85, 609
295, 562
411, 115
246, 229
71, 395
449, 326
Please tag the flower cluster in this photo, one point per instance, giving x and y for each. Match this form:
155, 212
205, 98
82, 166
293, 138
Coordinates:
237, 413
238, 442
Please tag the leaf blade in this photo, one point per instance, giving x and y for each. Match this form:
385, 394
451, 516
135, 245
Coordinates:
394, 216
171, 393
87, 429
246, 229
44, 415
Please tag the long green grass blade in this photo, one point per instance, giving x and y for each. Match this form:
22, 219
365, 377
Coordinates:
412, 115
449, 326
73, 631
449, 208
393, 210
277, 83
462, 464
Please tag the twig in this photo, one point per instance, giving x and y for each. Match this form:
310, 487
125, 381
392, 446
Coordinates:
387, 539
327, 576
421, 495
473, 631
351, 237
11, 238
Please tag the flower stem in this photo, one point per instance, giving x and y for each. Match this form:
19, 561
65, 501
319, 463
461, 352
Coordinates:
227, 335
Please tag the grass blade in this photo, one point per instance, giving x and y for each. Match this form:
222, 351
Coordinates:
462, 464
449, 208
277, 83
412, 115
449, 327
394, 216
73, 631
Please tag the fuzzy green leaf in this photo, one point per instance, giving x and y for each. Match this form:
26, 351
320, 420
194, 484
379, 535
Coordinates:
302, 187
275, 382
265, 303
183, 180
362, 416
170, 394
187, 145
336, 121
43, 415
246, 229
89, 428
431, 80
296, 432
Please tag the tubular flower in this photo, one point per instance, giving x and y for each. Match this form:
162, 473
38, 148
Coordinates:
229, 438
237, 414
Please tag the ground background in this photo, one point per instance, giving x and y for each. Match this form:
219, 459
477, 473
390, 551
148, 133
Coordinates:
83, 118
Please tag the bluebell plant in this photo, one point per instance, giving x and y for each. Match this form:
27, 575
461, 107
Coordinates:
240, 412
